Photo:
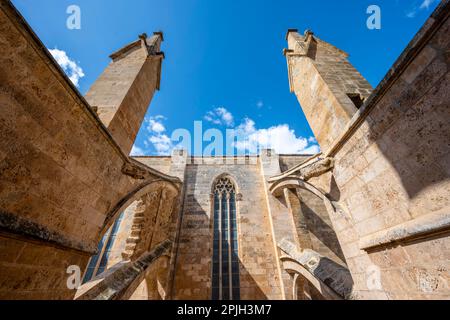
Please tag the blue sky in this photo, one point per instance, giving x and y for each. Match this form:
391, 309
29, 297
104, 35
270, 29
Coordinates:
224, 63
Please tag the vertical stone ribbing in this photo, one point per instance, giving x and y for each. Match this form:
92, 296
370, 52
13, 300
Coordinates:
281, 220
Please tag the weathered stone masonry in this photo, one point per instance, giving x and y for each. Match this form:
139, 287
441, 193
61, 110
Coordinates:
390, 182
63, 177
374, 203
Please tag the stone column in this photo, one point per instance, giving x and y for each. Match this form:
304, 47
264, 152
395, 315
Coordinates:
177, 169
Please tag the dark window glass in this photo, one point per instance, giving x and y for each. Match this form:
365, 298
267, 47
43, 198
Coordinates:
236, 293
103, 251
225, 246
215, 293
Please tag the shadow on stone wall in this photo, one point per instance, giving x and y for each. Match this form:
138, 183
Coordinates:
334, 193
249, 288
406, 139
322, 231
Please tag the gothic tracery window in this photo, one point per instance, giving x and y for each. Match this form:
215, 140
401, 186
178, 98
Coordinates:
225, 266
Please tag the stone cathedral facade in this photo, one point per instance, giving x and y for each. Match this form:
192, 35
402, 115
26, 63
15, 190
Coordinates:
367, 218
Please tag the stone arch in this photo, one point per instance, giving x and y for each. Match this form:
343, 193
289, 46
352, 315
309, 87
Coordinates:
321, 218
297, 270
151, 218
152, 223
126, 208
131, 197
276, 188
295, 182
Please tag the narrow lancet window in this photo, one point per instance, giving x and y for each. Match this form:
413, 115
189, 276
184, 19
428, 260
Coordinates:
225, 261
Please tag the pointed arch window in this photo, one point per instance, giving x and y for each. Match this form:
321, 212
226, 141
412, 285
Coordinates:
225, 266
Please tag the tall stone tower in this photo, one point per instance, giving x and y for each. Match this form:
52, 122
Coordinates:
328, 87
122, 94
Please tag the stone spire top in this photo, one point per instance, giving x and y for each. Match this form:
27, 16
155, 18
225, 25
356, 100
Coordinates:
151, 44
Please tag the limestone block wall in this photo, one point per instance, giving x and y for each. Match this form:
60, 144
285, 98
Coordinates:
162, 164
258, 274
31, 271
61, 172
157, 282
392, 176
289, 161
312, 219
281, 219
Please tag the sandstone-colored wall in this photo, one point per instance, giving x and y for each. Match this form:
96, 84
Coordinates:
119, 74
162, 164
289, 161
312, 219
394, 170
30, 271
258, 275
281, 219
60, 170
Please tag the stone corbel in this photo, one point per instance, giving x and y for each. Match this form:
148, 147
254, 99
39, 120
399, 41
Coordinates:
317, 168
422, 227
132, 170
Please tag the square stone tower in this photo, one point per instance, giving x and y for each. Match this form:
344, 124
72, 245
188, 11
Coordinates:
122, 94
330, 90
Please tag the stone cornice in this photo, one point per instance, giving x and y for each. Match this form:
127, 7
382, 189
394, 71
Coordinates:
421, 227
289, 31
13, 226
143, 41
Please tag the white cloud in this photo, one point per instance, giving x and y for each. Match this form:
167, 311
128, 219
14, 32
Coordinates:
136, 151
162, 144
155, 124
280, 137
220, 116
250, 139
160, 141
70, 67
425, 5
313, 149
